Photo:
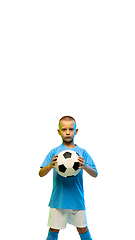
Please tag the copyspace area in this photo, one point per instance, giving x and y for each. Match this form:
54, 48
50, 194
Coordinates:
67, 58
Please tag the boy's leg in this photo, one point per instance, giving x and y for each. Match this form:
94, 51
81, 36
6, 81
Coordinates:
53, 234
54, 230
84, 233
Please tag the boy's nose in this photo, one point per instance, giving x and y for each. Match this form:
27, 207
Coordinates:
67, 132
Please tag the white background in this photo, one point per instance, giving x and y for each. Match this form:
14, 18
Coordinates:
67, 58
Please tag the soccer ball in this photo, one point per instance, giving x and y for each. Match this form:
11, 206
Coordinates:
67, 163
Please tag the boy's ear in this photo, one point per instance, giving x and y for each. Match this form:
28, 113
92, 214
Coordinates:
76, 131
58, 131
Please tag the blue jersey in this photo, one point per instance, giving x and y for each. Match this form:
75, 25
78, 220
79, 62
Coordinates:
68, 193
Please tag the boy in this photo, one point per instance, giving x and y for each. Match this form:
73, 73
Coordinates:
67, 203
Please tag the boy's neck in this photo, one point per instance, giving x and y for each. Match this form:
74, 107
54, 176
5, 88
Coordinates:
69, 145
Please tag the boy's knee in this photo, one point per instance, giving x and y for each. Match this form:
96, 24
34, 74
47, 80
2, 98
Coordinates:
82, 230
84, 233
53, 234
54, 230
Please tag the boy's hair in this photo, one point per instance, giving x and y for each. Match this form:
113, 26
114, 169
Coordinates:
68, 118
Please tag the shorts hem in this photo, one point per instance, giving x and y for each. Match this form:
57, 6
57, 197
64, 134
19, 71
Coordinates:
56, 227
78, 226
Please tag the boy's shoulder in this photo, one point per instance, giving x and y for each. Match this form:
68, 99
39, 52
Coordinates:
62, 147
81, 150
57, 149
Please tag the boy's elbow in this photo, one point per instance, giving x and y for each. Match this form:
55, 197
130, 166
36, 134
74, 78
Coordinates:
40, 175
95, 174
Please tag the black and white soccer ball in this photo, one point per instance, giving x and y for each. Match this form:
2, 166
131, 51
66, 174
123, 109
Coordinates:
67, 163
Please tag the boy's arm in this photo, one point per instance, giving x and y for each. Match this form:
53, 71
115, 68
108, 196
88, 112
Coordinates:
91, 171
43, 171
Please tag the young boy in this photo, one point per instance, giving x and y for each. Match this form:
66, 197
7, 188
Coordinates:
67, 203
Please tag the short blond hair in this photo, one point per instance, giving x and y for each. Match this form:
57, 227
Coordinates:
67, 118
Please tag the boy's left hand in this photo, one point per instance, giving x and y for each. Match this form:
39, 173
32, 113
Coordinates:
82, 162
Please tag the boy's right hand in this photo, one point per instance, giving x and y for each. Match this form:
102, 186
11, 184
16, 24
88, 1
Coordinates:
54, 160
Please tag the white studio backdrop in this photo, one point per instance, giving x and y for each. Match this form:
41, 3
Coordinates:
67, 58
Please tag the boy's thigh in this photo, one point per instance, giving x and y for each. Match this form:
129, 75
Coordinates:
57, 218
77, 218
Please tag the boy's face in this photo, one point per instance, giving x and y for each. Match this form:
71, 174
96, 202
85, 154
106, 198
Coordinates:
67, 130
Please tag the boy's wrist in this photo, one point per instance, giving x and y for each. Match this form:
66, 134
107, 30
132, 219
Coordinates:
50, 166
85, 166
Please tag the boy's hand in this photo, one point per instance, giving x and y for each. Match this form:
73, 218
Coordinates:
54, 160
82, 162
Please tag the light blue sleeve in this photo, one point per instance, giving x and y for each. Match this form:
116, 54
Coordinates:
48, 158
88, 160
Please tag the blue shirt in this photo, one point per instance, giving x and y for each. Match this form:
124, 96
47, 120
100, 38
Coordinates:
68, 193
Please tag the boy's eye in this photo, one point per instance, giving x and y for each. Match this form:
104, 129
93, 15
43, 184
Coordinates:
70, 129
